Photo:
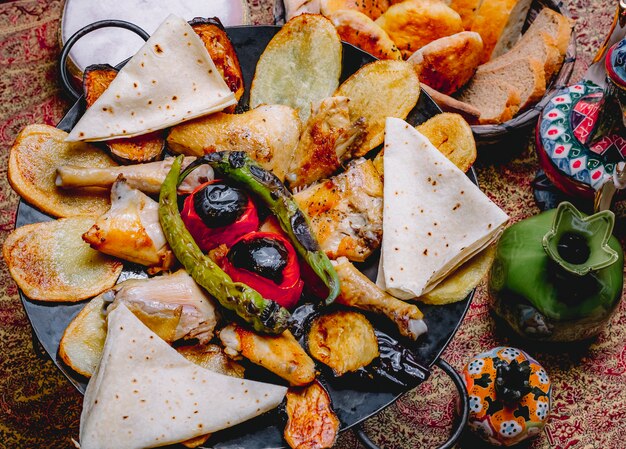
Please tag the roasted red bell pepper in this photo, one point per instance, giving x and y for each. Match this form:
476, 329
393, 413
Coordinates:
268, 263
217, 212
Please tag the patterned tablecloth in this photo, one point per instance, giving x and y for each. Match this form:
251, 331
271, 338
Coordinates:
39, 408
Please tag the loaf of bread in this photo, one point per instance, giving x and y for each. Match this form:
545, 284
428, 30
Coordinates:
371, 8
467, 10
415, 23
446, 64
361, 31
499, 23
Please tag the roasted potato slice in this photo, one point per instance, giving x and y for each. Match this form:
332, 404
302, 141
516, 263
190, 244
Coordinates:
300, 66
359, 30
147, 148
222, 52
451, 135
311, 421
81, 346
458, 284
413, 24
371, 8
343, 340
269, 134
50, 262
212, 357
37, 152
379, 90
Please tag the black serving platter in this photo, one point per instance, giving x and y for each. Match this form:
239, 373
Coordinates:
352, 404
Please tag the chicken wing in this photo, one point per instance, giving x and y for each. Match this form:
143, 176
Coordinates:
269, 134
173, 306
346, 211
130, 230
328, 139
145, 177
359, 292
280, 354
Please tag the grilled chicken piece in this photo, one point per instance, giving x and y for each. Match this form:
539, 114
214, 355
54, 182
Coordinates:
145, 177
173, 306
329, 139
359, 292
280, 354
130, 230
269, 134
346, 211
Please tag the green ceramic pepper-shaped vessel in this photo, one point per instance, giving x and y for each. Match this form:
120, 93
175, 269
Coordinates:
558, 276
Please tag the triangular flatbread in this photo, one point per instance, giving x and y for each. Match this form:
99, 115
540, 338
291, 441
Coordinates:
434, 217
170, 79
145, 394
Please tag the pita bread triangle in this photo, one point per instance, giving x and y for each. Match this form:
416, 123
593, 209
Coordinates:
169, 80
145, 394
434, 217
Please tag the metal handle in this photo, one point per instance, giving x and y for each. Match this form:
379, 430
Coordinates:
458, 430
65, 78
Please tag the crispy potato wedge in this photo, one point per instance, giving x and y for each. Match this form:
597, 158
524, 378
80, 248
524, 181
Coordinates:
222, 52
359, 30
37, 152
371, 8
413, 24
269, 134
343, 340
300, 66
457, 285
138, 149
451, 135
311, 421
81, 346
379, 90
50, 262
212, 357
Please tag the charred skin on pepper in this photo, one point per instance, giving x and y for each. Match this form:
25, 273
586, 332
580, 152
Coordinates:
264, 315
237, 166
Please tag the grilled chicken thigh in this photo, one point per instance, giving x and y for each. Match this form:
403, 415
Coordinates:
346, 211
269, 134
359, 292
173, 306
130, 230
328, 139
145, 177
280, 354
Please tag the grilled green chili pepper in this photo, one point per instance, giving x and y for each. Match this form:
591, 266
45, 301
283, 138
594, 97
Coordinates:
263, 314
236, 165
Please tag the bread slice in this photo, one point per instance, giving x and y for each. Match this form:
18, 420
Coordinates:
499, 23
524, 75
556, 25
446, 64
496, 103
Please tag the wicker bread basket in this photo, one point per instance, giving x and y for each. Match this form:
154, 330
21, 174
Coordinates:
515, 131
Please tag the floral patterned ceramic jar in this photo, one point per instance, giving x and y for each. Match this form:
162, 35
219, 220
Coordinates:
509, 396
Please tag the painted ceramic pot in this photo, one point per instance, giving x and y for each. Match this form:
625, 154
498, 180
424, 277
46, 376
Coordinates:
509, 396
558, 276
581, 136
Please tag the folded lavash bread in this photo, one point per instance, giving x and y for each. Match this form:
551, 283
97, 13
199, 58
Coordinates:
434, 217
145, 394
170, 79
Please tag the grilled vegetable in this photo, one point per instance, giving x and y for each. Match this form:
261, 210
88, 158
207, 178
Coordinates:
268, 263
264, 315
222, 52
343, 340
217, 213
146, 148
312, 423
237, 166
